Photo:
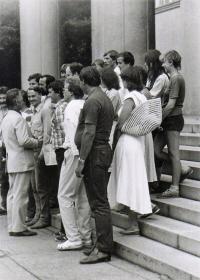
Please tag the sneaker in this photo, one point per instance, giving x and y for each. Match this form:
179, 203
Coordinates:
60, 236
69, 246
171, 192
155, 210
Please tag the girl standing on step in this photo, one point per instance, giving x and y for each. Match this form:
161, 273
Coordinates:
156, 86
172, 121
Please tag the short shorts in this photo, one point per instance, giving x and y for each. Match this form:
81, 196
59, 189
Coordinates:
175, 123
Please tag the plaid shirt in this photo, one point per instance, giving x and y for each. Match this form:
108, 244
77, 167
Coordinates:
57, 129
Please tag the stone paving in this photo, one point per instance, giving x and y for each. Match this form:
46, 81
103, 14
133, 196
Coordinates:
30, 258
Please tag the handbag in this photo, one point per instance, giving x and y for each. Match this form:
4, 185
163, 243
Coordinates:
144, 118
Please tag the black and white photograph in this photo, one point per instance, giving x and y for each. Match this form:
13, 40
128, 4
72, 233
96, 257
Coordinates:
99, 140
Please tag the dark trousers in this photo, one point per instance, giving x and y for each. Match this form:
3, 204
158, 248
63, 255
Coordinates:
4, 186
31, 204
47, 184
59, 158
96, 179
3, 178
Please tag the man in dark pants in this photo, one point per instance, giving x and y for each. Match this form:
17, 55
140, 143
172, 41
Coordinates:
92, 136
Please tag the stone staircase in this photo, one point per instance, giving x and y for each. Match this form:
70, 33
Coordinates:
169, 243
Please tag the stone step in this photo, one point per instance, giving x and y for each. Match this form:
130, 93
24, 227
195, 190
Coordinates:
188, 188
157, 257
151, 254
177, 234
190, 139
194, 164
189, 153
192, 124
179, 208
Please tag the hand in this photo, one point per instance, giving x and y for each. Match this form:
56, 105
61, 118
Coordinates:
79, 169
41, 156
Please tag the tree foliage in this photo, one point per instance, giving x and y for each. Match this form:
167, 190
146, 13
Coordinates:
10, 45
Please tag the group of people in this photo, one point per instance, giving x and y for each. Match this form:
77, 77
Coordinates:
62, 146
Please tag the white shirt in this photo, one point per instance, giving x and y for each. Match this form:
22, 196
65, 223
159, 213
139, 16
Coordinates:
71, 116
160, 86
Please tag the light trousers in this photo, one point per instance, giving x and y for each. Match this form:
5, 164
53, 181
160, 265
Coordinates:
17, 200
73, 202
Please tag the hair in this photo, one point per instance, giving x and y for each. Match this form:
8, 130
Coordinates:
174, 57
154, 64
11, 96
128, 57
110, 78
3, 90
143, 73
49, 79
90, 76
35, 76
112, 53
132, 77
25, 97
63, 67
76, 90
37, 89
99, 62
57, 86
75, 67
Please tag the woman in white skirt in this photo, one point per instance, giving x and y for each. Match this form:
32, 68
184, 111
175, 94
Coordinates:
128, 181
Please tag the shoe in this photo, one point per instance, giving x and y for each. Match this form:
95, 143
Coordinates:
96, 257
171, 192
23, 233
60, 236
133, 230
40, 224
69, 246
186, 174
155, 210
3, 212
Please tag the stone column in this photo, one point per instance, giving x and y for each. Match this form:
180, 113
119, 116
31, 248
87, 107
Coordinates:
39, 38
191, 55
120, 25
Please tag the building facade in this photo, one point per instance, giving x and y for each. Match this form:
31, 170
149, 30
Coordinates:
132, 25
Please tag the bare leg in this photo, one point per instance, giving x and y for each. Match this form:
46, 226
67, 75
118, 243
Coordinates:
174, 155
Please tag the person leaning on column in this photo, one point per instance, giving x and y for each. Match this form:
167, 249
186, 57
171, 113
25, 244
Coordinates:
20, 163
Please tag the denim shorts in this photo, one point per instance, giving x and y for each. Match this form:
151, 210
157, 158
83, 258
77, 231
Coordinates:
175, 123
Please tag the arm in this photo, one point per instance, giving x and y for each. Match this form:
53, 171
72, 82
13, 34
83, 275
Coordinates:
125, 113
86, 145
87, 140
169, 107
91, 111
22, 135
128, 106
174, 89
157, 87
